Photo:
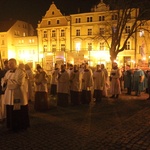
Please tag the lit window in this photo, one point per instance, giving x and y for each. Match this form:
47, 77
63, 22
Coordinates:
128, 45
78, 46
53, 48
101, 46
89, 31
53, 33
62, 33
2, 42
45, 48
62, 47
24, 34
127, 30
45, 34
141, 33
89, 46
102, 31
77, 32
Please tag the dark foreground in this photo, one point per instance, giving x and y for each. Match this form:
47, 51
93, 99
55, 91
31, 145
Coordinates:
122, 124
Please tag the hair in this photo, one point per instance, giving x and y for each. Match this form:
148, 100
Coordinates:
13, 59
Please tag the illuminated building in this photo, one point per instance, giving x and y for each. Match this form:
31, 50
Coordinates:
17, 41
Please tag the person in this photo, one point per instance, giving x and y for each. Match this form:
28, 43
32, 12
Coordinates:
138, 78
53, 90
63, 87
30, 82
148, 83
99, 83
75, 86
106, 86
115, 74
17, 117
41, 89
2, 106
87, 83
128, 79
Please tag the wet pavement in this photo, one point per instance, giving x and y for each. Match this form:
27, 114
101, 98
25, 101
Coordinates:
112, 124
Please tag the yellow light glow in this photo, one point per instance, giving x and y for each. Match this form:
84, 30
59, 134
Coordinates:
11, 54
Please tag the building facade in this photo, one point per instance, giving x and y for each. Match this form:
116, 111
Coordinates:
75, 39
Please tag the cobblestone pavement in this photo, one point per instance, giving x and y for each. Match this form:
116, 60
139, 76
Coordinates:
112, 124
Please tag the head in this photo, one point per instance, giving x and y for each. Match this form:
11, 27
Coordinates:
98, 67
63, 67
75, 67
127, 67
12, 63
102, 66
38, 67
6, 64
27, 67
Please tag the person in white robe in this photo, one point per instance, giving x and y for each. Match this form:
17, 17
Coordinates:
115, 87
53, 89
99, 83
87, 83
15, 97
75, 86
63, 87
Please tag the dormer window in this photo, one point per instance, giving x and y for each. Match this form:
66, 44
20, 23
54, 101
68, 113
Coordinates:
58, 21
49, 22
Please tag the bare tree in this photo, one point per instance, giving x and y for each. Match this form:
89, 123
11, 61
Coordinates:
125, 12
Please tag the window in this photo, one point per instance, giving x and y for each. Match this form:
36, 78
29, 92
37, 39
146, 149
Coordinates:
101, 18
77, 32
58, 21
101, 31
141, 33
89, 31
128, 45
54, 48
24, 34
53, 33
62, 47
127, 30
2, 42
101, 46
31, 40
45, 48
89, 19
78, 20
52, 12
45, 34
114, 17
49, 22
78, 47
89, 46
62, 33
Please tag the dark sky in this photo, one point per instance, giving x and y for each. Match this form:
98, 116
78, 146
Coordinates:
33, 10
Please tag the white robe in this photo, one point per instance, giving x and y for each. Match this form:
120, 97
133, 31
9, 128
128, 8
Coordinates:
99, 80
87, 80
16, 87
63, 83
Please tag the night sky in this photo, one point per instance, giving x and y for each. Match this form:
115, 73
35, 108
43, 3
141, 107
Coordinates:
33, 10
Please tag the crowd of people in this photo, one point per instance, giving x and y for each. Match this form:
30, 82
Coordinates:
69, 84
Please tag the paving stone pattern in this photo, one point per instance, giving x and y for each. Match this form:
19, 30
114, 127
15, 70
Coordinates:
122, 124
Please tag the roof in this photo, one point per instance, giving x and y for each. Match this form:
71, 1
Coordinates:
6, 25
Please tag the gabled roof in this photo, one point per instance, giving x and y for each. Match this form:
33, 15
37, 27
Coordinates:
6, 25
